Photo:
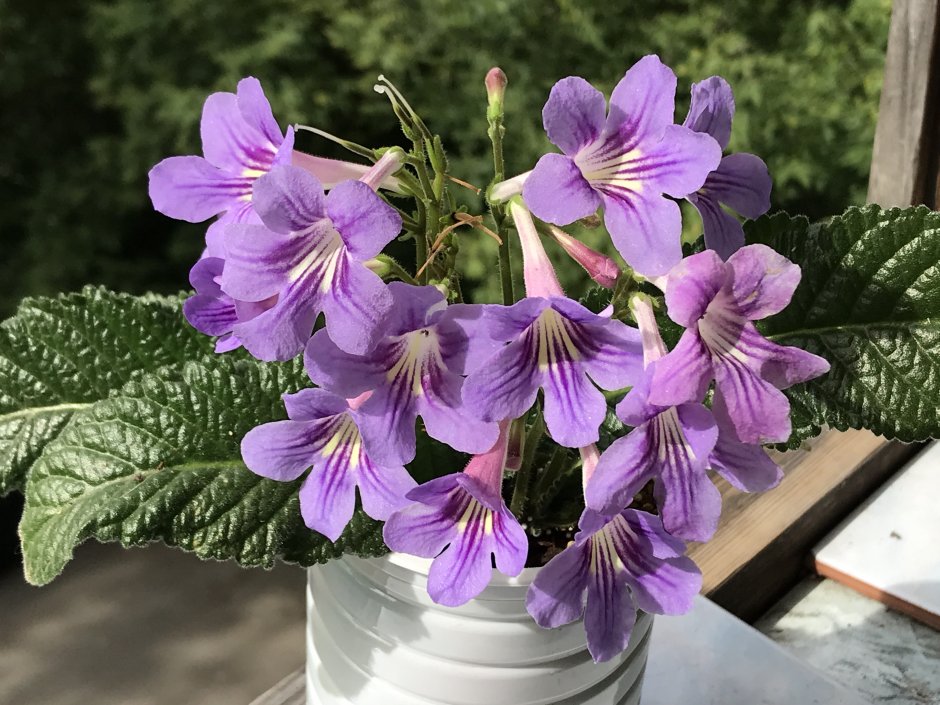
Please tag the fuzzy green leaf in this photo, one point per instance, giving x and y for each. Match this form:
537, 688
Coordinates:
869, 302
160, 460
58, 355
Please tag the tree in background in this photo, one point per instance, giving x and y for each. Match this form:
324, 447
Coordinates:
93, 93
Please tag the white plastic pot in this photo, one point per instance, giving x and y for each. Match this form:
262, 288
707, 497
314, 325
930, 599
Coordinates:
375, 638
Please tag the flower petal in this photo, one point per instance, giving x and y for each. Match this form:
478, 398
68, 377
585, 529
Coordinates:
646, 230
683, 375
288, 199
328, 495
743, 183
623, 469
712, 109
557, 192
211, 315
574, 114
759, 411
280, 450
191, 189
387, 423
556, 595
747, 467
664, 587
782, 366
356, 304
692, 285
678, 165
281, 332
259, 262
256, 110
611, 352
364, 221
652, 536
230, 142
506, 387
574, 408
505, 323
383, 488
341, 372
446, 420
464, 569
644, 101
609, 614
311, 404
723, 232
464, 337
413, 307
510, 543
764, 281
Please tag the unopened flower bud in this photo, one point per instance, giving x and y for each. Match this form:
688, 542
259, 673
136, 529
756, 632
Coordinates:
496, 82
601, 268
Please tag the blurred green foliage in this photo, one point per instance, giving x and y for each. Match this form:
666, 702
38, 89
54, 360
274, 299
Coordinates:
95, 92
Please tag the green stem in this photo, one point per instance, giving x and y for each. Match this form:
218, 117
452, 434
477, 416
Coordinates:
496, 131
520, 492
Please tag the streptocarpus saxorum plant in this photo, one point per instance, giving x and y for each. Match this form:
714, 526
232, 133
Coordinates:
581, 436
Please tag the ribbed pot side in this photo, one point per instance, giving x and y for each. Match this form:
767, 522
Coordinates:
375, 638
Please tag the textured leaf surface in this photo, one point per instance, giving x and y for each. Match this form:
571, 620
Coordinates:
869, 302
160, 460
58, 355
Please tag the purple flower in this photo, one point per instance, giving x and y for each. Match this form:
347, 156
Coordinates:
716, 301
460, 521
241, 141
310, 252
615, 566
213, 312
414, 370
670, 445
556, 345
323, 434
625, 159
741, 181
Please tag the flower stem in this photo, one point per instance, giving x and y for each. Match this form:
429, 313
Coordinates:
494, 116
520, 491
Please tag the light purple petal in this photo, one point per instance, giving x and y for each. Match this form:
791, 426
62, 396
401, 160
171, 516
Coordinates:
419, 529
256, 110
259, 262
227, 343
764, 281
689, 503
510, 543
364, 221
464, 569
643, 102
782, 366
281, 332
288, 199
684, 374
356, 306
557, 192
679, 164
505, 323
231, 143
611, 351
446, 420
747, 467
280, 450
609, 614
760, 412
574, 408
204, 276
506, 387
191, 189
645, 229
328, 495
556, 596
387, 423
635, 409
311, 404
574, 114
742, 183
413, 307
712, 109
211, 315
665, 587
464, 337
692, 285
383, 489
624, 468
653, 538
341, 372
723, 232
241, 212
